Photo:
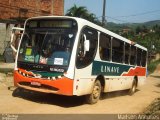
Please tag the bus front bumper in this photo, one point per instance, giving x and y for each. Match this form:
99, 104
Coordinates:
62, 86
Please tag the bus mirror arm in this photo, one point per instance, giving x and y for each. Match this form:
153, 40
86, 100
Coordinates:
11, 43
12, 37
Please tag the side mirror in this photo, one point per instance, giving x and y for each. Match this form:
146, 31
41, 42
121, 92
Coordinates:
86, 44
15, 31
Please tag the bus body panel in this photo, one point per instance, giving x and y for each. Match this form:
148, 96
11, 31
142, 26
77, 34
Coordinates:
83, 81
80, 81
112, 83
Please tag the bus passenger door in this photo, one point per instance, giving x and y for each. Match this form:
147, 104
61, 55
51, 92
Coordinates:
86, 52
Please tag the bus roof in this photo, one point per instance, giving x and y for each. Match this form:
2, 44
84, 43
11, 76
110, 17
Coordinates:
83, 22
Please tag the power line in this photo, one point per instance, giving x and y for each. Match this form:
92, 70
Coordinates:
116, 19
139, 14
133, 15
112, 18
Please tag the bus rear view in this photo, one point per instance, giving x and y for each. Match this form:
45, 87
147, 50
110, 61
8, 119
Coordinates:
44, 55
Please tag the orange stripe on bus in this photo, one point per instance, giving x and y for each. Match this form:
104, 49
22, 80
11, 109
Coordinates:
138, 71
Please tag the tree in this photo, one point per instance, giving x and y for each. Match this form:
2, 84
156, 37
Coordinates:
75, 11
82, 12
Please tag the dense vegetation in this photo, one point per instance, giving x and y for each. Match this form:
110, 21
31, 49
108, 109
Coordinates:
1, 58
146, 34
82, 12
152, 66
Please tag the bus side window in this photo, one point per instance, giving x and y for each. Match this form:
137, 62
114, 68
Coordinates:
105, 47
133, 55
139, 53
85, 58
81, 53
117, 50
143, 59
127, 53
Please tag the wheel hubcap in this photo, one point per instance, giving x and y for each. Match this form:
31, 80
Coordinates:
96, 92
134, 88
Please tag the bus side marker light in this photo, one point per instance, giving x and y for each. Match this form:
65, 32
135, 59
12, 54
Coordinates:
59, 77
76, 87
23, 74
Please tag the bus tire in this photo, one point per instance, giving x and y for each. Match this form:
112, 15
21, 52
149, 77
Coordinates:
96, 93
133, 88
17, 92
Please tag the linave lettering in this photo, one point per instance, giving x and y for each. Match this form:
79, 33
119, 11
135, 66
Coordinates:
109, 69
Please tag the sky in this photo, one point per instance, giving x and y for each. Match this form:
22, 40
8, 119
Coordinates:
121, 11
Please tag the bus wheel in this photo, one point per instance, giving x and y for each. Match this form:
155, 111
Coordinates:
96, 92
133, 88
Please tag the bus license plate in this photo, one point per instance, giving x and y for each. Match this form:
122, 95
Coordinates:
36, 84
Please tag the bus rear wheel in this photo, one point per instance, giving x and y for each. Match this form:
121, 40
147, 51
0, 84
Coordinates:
133, 88
96, 93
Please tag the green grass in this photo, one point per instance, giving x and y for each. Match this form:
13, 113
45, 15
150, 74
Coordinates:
152, 66
1, 58
6, 70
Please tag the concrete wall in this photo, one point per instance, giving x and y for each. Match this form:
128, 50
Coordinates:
2, 37
5, 33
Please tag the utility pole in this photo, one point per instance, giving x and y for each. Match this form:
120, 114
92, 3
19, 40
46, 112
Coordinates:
104, 13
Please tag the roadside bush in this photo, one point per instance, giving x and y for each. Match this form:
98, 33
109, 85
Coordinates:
153, 108
1, 58
152, 66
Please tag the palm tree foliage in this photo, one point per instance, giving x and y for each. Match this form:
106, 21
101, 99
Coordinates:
75, 11
82, 12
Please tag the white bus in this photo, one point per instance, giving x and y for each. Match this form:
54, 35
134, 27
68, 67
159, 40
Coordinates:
72, 56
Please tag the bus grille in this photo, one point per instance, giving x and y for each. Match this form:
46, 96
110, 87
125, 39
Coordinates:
46, 87
42, 77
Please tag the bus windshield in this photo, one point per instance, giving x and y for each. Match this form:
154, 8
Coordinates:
47, 44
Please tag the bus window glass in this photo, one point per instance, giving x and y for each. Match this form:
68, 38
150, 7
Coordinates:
133, 55
139, 52
144, 56
105, 47
50, 46
84, 58
117, 50
127, 53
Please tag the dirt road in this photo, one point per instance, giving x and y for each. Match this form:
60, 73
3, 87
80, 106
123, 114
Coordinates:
13, 101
